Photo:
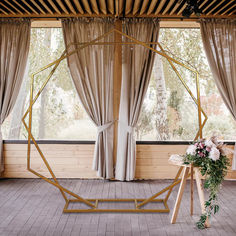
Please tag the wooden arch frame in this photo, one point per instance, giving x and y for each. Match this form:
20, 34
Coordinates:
93, 204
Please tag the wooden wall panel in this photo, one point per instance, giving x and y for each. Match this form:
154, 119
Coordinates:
75, 161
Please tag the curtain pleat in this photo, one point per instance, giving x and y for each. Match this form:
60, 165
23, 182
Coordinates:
14, 48
137, 67
91, 69
219, 40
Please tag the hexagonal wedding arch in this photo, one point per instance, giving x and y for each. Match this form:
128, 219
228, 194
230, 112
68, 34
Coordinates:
92, 205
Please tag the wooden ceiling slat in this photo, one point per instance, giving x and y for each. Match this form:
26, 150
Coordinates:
209, 5
144, 7
54, 6
62, 6
31, 8
182, 8
168, 7
3, 11
231, 13
226, 10
70, 6
177, 4
223, 7
121, 7
152, 6
12, 12
86, 6
94, 6
78, 6
46, 6
203, 3
110, 7
136, 7
20, 5
217, 4
38, 7
160, 6
103, 6
13, 7
128, 6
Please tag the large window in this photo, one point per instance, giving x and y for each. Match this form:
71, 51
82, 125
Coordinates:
168, 112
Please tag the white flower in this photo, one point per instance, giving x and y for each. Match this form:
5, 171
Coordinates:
191, 150
209, 143
214, 154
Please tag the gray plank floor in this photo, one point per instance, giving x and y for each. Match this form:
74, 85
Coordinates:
33, 207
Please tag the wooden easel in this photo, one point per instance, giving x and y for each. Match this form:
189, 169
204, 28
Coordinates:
192, 170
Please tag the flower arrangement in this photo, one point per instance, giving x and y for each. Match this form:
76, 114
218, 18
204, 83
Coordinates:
210, 157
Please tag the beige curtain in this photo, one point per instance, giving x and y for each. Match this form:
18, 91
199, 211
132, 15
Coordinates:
92, 72
136, 71
219, 40
14, 48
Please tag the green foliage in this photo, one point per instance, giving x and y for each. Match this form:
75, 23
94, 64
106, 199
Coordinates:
214, 172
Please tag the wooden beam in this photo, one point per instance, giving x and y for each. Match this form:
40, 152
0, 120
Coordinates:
203, 3
54, 7
86, 6
62, 6
78, 6
168, 7
103, 7
128, 7
94, 6
231, 13
38, 7
210, 4
144, 7
177, 4
160, 6
4, 12
13, 7
182, 8
111, 7
117, 84
136, 6
223, 13
46, 6
209, 12
223, 7
70, 6
31, 8
151, 7
20, 5
121, 7
12, 12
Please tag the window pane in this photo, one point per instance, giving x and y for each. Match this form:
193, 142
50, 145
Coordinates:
58, 113
168, 112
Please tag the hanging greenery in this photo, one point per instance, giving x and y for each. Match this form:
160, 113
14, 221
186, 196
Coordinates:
210, 157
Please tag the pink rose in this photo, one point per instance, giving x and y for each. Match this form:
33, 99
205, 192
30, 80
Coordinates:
208, 149
201, 154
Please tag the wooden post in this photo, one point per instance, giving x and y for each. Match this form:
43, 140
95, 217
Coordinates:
117, 83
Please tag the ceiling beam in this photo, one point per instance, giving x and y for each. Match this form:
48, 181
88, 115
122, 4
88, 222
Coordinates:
209, 12
160, 6
31, 8
210, 4
54, 7
86, 6
103, 6
20, 5
13, 7
46, 6
38, 7
168, 6
78, 6
223, 7
12, 12
62, 6
223, 13
68, 3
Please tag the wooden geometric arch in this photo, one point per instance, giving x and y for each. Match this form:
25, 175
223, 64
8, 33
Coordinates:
93, 204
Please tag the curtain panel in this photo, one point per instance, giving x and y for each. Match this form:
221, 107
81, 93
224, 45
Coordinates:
14, 48
137, 67
219, 40
91, 69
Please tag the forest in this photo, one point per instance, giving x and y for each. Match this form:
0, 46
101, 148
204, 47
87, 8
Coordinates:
168, 112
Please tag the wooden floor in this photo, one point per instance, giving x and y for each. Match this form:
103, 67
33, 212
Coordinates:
33, 207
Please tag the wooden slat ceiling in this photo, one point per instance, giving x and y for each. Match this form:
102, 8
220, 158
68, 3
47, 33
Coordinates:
118, 8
